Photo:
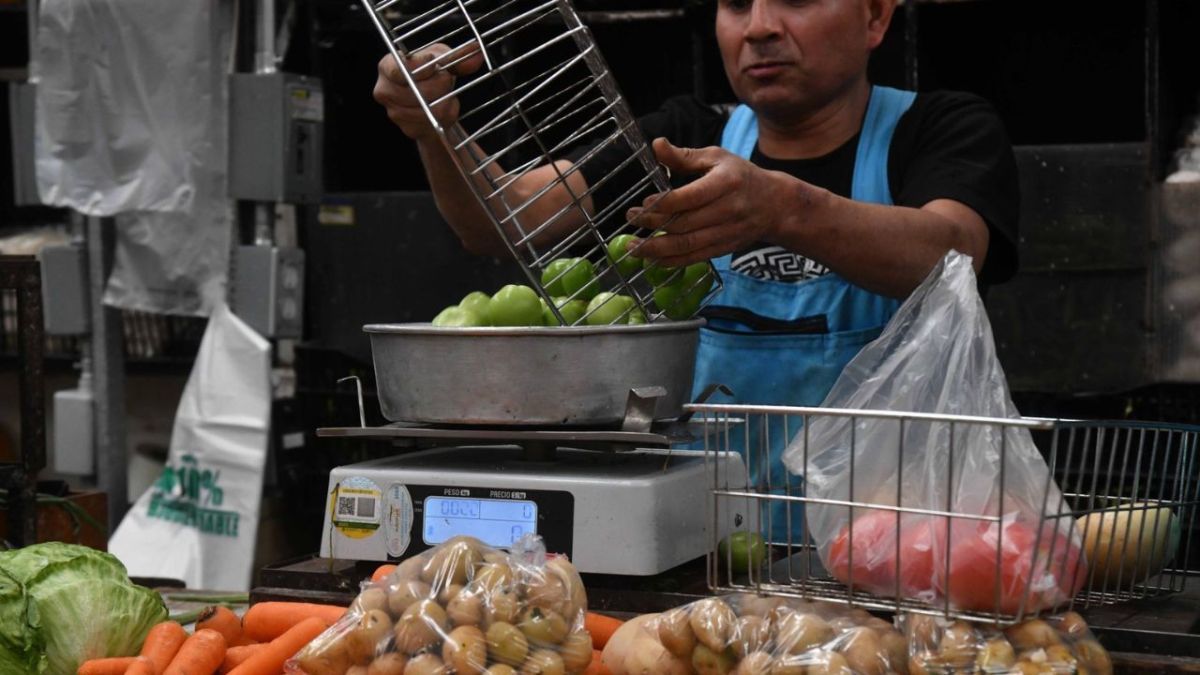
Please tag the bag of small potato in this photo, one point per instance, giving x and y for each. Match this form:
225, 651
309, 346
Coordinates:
461, 607
1055, 644
745, 634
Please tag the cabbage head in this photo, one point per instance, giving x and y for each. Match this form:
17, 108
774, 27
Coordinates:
62, 604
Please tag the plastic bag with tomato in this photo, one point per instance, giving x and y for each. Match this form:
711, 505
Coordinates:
969, 511
461, 607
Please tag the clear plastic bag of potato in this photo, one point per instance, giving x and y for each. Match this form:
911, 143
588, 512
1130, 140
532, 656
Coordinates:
747, 634
1054, 644
461, 607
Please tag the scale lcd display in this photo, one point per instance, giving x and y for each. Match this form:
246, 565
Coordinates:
496, 522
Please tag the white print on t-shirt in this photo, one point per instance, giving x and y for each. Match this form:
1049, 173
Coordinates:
776, 263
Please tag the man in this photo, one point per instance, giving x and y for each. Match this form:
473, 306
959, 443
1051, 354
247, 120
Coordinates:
822, 200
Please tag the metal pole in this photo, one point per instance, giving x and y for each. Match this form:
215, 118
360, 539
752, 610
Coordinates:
108, 363
31, 17
264, 54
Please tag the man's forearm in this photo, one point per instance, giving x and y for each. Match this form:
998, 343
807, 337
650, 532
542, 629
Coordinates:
456, 201
885, 249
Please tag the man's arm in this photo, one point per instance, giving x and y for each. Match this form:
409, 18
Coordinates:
735, 204
454, 196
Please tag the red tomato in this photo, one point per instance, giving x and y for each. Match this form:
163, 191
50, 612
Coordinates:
973, 568
873, 564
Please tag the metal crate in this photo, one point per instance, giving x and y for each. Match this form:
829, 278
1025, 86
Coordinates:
1102, 468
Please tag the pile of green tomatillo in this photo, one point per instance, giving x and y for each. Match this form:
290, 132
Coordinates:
575, 288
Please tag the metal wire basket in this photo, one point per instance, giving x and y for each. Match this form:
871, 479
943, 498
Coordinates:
543, 89
1109, 473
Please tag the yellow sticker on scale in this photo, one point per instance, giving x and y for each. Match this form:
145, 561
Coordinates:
354, 507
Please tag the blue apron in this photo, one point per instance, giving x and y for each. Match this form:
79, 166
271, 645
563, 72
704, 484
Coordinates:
778, 368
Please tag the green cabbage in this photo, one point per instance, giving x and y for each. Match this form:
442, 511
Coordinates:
62, 604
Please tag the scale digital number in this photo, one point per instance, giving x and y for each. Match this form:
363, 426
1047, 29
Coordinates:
497, 516
496, 522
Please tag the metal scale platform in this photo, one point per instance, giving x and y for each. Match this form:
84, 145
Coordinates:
619, 501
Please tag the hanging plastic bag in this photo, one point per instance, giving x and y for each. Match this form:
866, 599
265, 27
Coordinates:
937, 356
462, 607
199, 521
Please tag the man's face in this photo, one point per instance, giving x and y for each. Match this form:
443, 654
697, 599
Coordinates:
788, 58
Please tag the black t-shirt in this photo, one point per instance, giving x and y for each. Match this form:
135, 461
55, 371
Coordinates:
948, 145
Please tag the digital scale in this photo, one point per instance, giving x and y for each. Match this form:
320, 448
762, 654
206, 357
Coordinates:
615, 502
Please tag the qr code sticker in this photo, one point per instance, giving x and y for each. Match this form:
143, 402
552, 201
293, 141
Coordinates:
366, 507
345, 506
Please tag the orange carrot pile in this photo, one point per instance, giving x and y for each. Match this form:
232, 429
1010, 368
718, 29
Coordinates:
116, 665
201, 654
224, 621
601, 628
162, 643
140, 666
381, 572
270, 660
234, 656
596, 667
268, 620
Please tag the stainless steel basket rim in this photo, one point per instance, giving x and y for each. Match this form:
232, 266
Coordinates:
531, 331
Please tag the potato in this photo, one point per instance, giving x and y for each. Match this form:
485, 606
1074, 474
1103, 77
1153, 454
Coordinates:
492, 576
878, 625
1094, 657
451, 563
959, 644
830, 663
675, 632
420, 627
388, 664
331, 658
895, 650
758, 605
706, 661
356, 670
576, 651
1031, 635
465, 650
647, 656
409, 569
863, 651
712, 621
619, 644
466, 609
557, 588
796, 633
374, 597
1128, 546
501, 669
543, 662
755, 663
1060, 654
1072, 624
405, 593
448, 593
364, 638
426, 664
501, 606
750, 634
996, 655
922, 631
506, 643
789, 665
543, 627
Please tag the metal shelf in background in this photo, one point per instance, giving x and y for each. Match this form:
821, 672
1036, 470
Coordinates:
23, 274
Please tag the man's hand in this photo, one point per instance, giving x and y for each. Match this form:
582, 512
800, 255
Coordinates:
730, 207
434, 71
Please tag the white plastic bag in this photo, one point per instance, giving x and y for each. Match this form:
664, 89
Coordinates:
937, 355
199, 521
131, 119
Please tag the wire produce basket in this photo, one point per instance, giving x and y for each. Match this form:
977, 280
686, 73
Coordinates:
1116, 518
542, 89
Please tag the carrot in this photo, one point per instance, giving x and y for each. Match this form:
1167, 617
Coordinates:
268, 620
382, 571
115, 665
201, 654
234, 656
270, 661
162, 643
601, 627
596, 667
140, 666
222, 620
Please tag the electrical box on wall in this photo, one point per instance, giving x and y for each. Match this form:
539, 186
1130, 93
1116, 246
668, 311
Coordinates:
276, 132
65, 290
268, 289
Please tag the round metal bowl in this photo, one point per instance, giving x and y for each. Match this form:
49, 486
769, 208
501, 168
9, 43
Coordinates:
579, 375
